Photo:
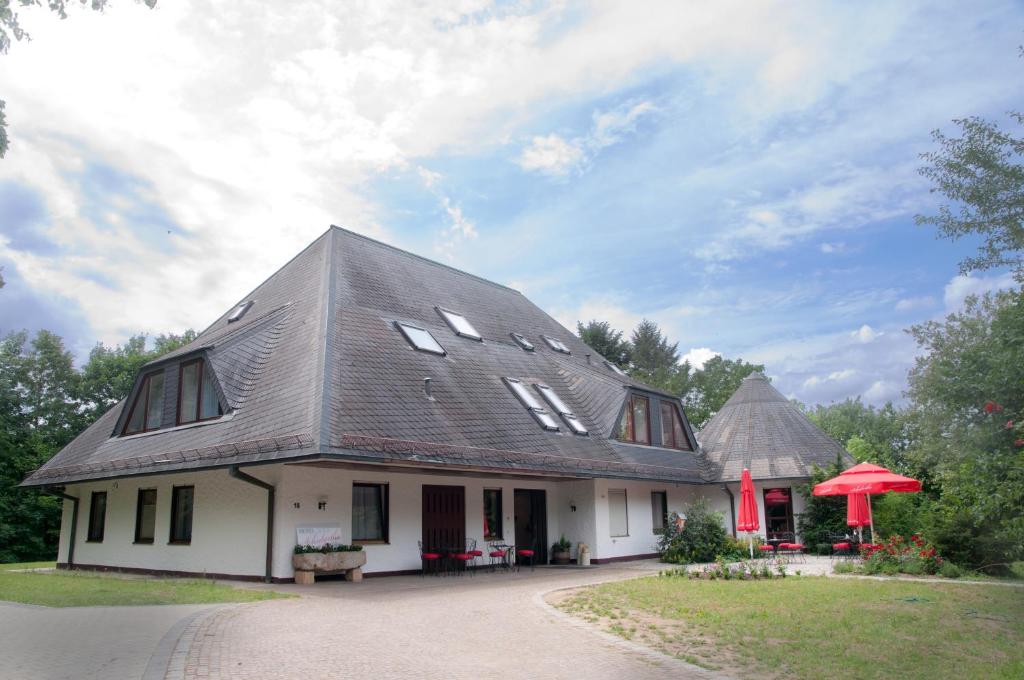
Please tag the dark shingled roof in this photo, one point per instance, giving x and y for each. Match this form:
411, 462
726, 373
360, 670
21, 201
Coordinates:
316, 369
760, 429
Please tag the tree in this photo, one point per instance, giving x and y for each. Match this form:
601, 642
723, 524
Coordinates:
10, 27
982, 174
967, 405
606, 341
655, 361
875, 435
712, 385
822, 515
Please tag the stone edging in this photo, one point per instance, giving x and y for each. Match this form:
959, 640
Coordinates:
174, 645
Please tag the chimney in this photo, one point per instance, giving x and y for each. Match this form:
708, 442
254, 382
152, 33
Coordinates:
588, 357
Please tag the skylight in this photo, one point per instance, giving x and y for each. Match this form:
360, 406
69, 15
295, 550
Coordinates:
420, 338
532, 405
239, 311
459, 324
561, 408
556, 344
522, 342
613, 367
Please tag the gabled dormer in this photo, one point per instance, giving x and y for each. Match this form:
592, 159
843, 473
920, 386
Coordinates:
653, 419
180, 391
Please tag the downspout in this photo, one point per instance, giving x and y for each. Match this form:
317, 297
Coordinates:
249, 479
732, 507
74, 521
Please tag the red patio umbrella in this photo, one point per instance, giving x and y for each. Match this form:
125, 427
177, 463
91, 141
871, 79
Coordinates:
748, 520
858, 511
867, 479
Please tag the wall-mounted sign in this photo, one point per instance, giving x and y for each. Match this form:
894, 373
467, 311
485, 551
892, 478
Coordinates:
318, 536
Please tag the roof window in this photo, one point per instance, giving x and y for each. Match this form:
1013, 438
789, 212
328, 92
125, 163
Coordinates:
532, 405
558, 405
239, 311
148, 408
459, 324
556, 344
197, 395
523, 342
420, 339
615, 369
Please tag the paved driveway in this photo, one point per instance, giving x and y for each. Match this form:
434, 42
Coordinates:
474, 627
85, 643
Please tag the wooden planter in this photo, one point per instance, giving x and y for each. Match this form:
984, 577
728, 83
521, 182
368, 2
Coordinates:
307, 565
560, 557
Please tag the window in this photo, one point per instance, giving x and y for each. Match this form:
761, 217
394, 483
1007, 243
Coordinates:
672, 434
613, 368
531, 404
145, 516
97, 516
778, 512
492, 515
636, 421
659, 510
148, 408
181, 514
556, 344
459, 324
618, 520
567, 415
523, 342
197, 395
420, 339
239, 311
369, 513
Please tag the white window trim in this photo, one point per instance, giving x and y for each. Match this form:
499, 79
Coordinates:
446, 314
539, 413
401, 326
625, 509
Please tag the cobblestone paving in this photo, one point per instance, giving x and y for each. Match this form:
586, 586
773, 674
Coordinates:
82, 643
484, 626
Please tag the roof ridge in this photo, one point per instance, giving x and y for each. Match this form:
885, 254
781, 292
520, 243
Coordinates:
321, 422
409, 253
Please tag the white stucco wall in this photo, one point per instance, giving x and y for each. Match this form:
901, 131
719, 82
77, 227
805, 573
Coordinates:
228, 525
641, 539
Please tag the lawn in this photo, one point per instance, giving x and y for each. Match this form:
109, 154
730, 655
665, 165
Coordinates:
811, 627
81, 589
27, 565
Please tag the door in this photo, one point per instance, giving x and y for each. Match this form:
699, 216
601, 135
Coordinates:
532, 522
444, 517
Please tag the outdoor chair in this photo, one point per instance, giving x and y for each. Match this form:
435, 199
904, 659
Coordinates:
789, 548
842, 545
431, 560
460, 560
498, 552
525, 554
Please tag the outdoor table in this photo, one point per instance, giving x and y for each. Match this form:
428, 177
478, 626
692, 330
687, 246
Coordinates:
509, 550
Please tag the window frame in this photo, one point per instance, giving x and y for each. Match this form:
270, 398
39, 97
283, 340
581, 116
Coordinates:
239, 311
789, 518
93, 533
675, 418
175, 500
385, 502
446, 314
199, 393
143, 394
401, 326
539, 413
630, 435
562, 409
498, 535
625, 510
659, 510
557, 345
139, 539
522, 341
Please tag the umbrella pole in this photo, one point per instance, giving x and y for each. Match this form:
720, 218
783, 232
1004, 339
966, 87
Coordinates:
751, 537
871, 518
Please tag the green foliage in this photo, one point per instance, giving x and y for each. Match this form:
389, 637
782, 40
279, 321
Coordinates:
967, 411
981, 173
709, 387
702, 540
655, 361
606, 341
561, 545
326, 548
822, 515
875, 435
900, 555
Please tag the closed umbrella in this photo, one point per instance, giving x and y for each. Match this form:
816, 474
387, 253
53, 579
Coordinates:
858, 512
748, 520
866, 478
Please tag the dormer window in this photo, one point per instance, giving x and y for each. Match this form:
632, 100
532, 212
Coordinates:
562, 409
420, 338
239, 311
523, 342
556, 344
672, 435
636, 420
148, 408
532, 405
459, 324
197, 394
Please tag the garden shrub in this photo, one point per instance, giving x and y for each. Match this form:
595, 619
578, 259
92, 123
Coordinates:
950, 570
702, 540
914, 556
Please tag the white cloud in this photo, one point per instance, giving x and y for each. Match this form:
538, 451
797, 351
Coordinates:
914, 303
865, 334
833, 248
552, 155
961, 286
698, 356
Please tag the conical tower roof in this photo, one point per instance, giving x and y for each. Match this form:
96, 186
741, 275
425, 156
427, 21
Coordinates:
760, 429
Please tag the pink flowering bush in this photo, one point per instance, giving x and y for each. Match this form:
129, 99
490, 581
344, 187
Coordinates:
900, 555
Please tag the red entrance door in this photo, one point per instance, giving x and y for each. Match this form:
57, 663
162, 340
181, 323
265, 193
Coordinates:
444, 517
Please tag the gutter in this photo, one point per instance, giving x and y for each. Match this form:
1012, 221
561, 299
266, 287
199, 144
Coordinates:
249, 479
732, 507
74, 521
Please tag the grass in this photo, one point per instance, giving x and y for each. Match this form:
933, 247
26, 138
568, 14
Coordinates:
83, 589
812, 627
10, 566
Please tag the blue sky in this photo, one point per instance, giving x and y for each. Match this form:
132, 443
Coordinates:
745, 175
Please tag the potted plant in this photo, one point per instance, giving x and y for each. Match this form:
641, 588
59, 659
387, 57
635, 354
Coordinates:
560, 551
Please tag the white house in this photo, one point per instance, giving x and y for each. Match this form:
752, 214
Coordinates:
367, 389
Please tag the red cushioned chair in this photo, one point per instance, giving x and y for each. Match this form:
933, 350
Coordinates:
792, 551
431, 560
498, 553
464, 558
842, 546
525, 554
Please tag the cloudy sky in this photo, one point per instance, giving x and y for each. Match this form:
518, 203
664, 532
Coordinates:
745, 174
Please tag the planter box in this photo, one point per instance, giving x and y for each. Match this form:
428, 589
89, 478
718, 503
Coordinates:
308, 564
